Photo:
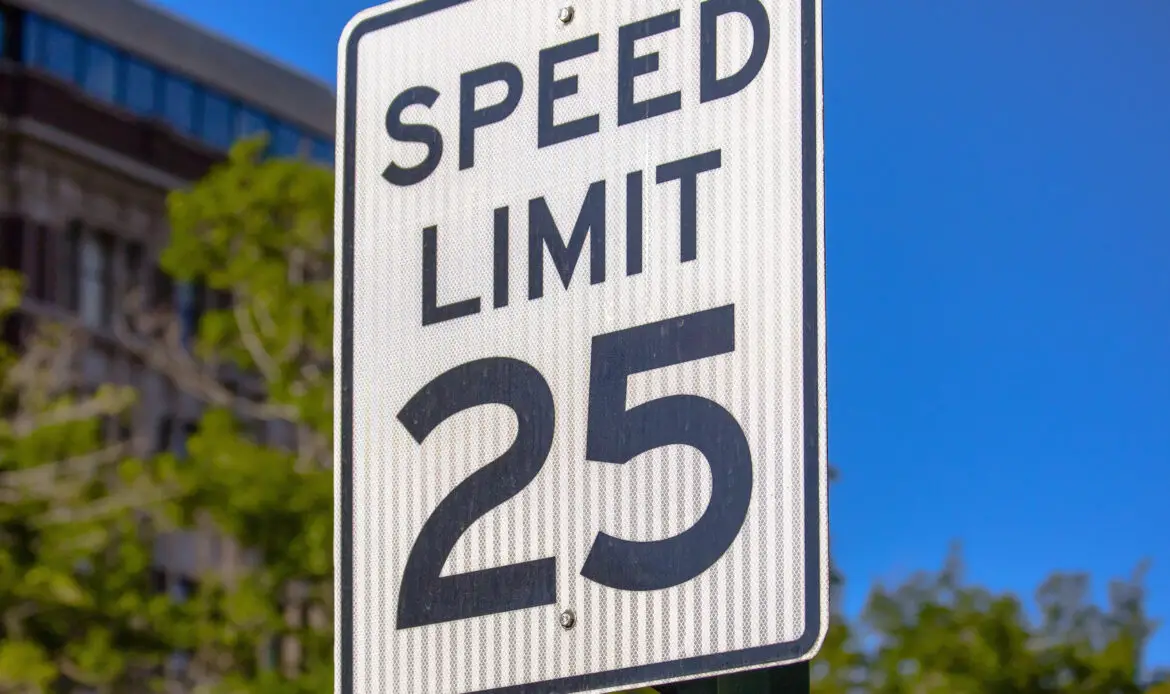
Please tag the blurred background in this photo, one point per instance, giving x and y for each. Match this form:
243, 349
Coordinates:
998, 228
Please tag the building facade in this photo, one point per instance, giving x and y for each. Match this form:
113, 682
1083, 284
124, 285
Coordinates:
105, 107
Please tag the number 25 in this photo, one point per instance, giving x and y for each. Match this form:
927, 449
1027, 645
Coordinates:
614, 435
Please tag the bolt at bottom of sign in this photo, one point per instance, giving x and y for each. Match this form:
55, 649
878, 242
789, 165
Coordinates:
568, 619
566, 14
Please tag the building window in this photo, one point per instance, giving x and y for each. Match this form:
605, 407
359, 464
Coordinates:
115, 429
250, 123
72, 285
135, 254
286, 141
179, 104
39, 268
141, 88
147, 90
94, 276
34, 39
12, 250
162, 441
322, 152
217, 126
100, 71
189, 431
258, 429
123, 429
180, 589
190, 301
162, 289
217, 300
11, 334
59, 51
173, 435
158, 580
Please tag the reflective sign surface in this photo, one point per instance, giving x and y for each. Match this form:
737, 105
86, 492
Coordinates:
580, 401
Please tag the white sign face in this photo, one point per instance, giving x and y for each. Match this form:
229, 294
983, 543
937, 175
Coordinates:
580, 401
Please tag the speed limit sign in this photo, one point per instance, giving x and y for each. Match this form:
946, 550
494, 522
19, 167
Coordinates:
580, 331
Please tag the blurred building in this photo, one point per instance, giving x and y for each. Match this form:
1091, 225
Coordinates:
105, 106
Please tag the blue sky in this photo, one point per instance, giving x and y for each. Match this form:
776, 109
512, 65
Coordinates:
998, 223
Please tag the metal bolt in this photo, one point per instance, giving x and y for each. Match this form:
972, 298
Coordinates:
566, 15
568, 619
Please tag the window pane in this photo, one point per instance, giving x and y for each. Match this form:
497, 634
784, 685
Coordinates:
323, 151
181, 589
12, 250
135, 251
141, 88
177, 664
101, 71
162, 290
60, 54
162, 441
34, 39
41, 271
179, 104
250, 123
217, 120
72, 274
190, 304
93, 271
286, 142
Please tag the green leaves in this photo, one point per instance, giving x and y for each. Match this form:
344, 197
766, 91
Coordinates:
43, 583
24, 666
936, 633
257, 470
262, 230
74, 559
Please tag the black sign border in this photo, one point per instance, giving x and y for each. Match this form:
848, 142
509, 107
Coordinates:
656, 672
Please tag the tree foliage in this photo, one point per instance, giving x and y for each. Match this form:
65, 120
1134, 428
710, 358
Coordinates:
79, 513
937, 633
257, 232
76, 604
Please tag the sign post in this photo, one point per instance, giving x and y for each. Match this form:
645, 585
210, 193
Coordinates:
580, 431
786, 679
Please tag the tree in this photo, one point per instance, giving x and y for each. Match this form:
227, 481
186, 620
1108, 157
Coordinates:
257, 234
76, 605
934, 633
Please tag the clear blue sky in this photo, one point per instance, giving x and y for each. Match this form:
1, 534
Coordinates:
998, 221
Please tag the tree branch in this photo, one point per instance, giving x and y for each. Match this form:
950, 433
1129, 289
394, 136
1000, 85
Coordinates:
251, 341
117, 401
51, 474
154, 340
